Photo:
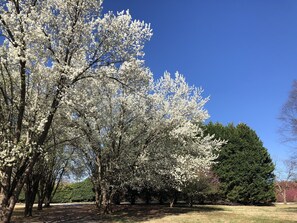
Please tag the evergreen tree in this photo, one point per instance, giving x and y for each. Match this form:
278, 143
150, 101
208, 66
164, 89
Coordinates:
244, 166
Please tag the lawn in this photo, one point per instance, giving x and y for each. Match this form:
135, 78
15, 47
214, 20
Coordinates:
156, 214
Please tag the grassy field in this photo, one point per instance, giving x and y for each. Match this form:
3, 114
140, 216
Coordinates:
156, 214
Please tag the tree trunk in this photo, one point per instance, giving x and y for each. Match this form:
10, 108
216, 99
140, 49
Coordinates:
172, 198
47, 203
48, 193
28, 209
106, 198
40, 202
30, 193
161, 197
97, 197
104, 195
285, 195
8, 204
11, 191
132, 195
41, 193
190, 201
171, 203
147, 197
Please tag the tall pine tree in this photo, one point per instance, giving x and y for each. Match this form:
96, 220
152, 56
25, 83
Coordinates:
244, 166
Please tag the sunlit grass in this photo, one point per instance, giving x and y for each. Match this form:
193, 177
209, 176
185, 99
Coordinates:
236, 214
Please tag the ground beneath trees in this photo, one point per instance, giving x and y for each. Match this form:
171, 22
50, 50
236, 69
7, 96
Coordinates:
87, 213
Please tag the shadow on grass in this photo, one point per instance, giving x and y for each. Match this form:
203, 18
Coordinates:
139, 213
122, 213
290, 209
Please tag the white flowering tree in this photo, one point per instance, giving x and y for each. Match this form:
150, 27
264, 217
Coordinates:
140, 133
178, 150
110, 123
49, 46
65, 65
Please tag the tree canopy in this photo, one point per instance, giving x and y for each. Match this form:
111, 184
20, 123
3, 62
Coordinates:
244, 166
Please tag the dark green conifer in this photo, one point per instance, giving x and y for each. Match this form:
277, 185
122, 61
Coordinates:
244, 166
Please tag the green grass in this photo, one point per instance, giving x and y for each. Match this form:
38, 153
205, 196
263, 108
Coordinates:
156, 214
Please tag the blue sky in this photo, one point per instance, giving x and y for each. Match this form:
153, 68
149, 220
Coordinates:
243, 53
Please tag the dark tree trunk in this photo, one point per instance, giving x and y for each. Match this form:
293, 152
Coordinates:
190, 201
49, 193
161, 197
30, 193
117, 198
47, 203
40, 202
41, 193
173, 196
12, 188
132, 196
147, 196
7, 208
8, 202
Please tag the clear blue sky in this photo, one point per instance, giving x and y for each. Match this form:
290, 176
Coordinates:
243, 53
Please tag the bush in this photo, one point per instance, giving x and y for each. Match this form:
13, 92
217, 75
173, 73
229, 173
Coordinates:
75, 192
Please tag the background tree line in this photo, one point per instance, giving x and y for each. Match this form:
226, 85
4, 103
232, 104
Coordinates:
242, 173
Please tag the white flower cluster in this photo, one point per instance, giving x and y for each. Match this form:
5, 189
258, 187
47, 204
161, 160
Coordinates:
153, 127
